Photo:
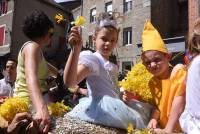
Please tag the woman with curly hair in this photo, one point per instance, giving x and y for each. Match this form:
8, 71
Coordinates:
32, 68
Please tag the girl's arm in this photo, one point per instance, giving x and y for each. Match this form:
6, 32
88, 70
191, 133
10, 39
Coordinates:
53, 70
73, 72
178, 106
32, 56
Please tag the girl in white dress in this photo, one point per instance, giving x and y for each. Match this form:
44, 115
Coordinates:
190, 118
102, 105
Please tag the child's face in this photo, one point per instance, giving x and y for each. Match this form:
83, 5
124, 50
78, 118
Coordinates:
106, 40
156, 62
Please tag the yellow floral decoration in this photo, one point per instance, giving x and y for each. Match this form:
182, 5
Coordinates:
137, 82
80, 21
132, 130
12, 106
58, 108
59, 18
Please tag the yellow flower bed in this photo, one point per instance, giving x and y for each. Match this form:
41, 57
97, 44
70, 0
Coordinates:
137, 82
12, 106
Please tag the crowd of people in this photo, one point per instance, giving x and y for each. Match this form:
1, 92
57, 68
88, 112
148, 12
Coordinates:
175, 90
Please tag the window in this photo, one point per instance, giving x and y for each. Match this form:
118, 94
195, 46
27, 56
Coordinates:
2, 34
108, 7
127, 5
127, 36
3, 6
93, 15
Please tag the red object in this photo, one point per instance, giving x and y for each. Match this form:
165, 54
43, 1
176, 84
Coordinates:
136, 97
186, 59
2, 35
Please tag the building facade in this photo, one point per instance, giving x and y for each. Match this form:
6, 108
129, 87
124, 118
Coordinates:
169, 17
133, 15
12, 38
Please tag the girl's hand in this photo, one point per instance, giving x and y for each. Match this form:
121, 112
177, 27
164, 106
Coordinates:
74, 38
42, 119
127, 96
160, 131
152, 124
20, 120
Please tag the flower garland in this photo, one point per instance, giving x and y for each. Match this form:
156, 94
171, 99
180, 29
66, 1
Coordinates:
12, 106
137, 82
58, 108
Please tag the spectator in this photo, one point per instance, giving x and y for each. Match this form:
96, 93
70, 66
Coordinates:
7, 83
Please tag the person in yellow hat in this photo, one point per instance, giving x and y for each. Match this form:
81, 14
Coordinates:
167, 85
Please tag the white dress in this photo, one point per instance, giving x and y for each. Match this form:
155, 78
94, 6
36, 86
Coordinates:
190, 118
103, 106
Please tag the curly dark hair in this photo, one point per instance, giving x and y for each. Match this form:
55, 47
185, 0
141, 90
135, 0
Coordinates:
36, 24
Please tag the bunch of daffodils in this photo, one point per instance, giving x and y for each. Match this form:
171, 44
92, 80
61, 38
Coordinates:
137, 82
12, 106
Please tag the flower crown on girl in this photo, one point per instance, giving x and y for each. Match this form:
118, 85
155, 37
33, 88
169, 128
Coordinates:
109, 19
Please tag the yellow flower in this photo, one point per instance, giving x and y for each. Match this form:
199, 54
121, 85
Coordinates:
143, 131
59, 18
12, 106
58, 108
137, 82
80, 21
130, 128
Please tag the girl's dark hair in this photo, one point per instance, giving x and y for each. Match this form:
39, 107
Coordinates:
36, 25
194, 40
105, 15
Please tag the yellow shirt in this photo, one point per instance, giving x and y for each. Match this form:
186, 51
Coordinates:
21, 89
164, 92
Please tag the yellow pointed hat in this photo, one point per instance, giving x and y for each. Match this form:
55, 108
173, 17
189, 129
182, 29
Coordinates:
151, 39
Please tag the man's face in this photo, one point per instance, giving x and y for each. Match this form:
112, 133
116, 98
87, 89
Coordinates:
11, 68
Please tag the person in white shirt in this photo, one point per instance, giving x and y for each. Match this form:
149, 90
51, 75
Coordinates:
7, 83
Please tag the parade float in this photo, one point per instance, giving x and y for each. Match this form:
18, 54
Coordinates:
135, 82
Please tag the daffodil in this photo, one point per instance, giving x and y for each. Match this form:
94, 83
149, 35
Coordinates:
80, 21
58, 108
59, 18
130, 128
